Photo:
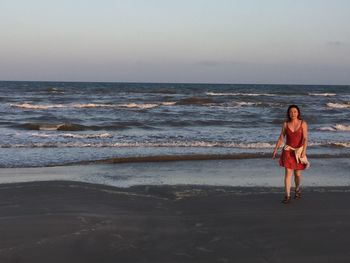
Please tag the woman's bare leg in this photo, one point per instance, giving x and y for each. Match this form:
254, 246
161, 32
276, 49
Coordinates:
297, 179
287, 181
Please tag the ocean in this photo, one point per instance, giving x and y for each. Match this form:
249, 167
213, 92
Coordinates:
59, 123
46, 124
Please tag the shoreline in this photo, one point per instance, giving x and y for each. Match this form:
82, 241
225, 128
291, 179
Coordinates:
234, 172
64, 221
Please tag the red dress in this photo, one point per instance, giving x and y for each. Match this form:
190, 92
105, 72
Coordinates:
295, 140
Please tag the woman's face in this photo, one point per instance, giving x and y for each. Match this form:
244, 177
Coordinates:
293, 113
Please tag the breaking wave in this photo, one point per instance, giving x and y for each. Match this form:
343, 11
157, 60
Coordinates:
92, 105
323, 94
76, 136
239, 94
338, 105
140, 106
54, 127
337, 127
172, 144
37, 107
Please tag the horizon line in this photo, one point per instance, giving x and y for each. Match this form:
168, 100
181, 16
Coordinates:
161, 82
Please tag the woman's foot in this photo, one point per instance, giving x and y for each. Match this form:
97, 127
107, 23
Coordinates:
286, 200
297, 194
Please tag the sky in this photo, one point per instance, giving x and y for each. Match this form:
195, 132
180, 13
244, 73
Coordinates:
201, 41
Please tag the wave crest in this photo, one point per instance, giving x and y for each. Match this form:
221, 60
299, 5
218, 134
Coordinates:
338, 105
323, 94
92, 105
37, 107
194, 144
341, 144
76, 136
54, 127
238, 94
140, 106
337, 127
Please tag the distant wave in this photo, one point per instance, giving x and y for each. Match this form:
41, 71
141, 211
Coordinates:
170, 103
140, 106
238, 104
323, 94
37, 107
243, 103
54, 127
139, 144
92, 105
338, 105
337, 127
132, 105
55, 90
341, 144
76, 136
173, 144
127, 105
77, 127
239, 94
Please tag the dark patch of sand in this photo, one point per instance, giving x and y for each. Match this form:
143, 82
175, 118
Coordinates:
80, 222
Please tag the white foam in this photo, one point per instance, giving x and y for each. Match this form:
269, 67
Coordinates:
72, 135
135, 144
41, 135
37, 107
87, 136
140, 106
238, 94
338, 105
327, 144
48, 127
341, 144
243, 103
323, 94
221, 94
172, 144
326, 129
337, 127
237, 104
168, 103
341, 127
258, 145
93, 105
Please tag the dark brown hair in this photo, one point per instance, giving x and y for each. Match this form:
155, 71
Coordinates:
296, 107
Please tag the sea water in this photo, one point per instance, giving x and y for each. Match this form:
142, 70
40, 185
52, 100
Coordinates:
60, 123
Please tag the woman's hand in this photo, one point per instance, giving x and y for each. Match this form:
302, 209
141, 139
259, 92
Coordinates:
302, 155
274, 154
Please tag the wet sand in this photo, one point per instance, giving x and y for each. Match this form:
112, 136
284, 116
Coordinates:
62, 221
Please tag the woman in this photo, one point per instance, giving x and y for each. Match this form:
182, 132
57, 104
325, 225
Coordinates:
293, 156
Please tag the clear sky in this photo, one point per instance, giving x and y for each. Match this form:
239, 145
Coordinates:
215, 41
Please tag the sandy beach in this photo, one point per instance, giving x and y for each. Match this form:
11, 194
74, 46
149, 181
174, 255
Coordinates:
62, 221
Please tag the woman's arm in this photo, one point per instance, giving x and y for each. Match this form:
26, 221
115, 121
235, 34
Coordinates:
305, 138
280, 140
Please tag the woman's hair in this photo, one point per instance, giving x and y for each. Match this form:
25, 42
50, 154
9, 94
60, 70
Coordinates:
296, 107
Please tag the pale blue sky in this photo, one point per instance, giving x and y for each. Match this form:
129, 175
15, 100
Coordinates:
218, 41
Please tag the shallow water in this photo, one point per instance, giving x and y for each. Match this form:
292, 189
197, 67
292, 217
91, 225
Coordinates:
246, 173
